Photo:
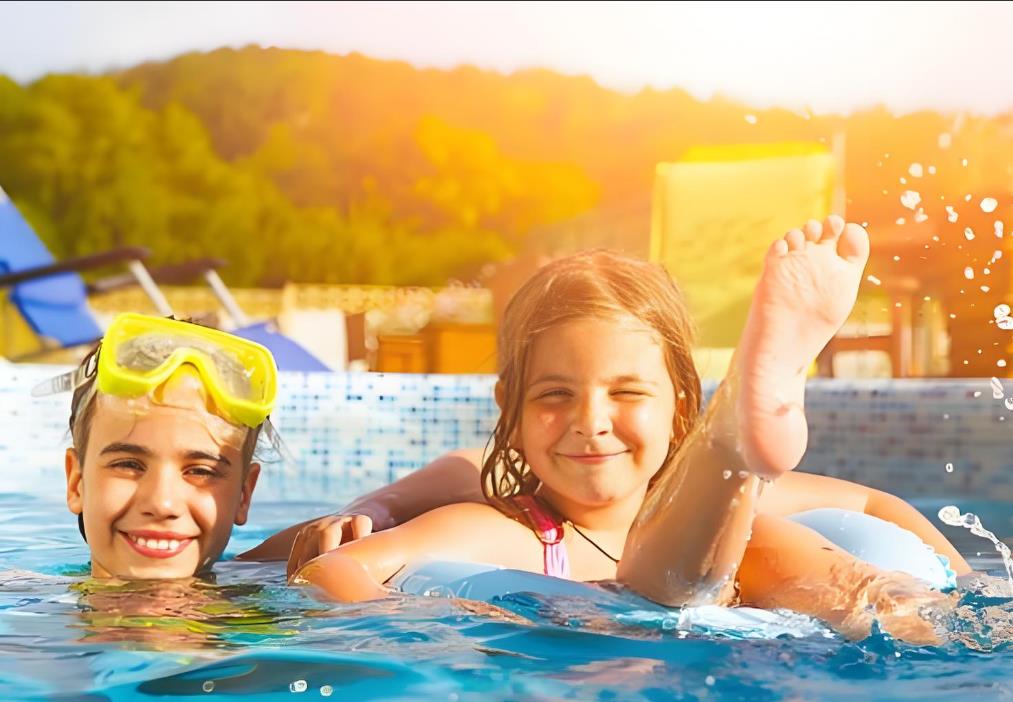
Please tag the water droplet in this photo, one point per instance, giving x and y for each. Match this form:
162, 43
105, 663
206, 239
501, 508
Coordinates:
963, 162
208, 685
1001, 363
920, 215
989, 204
910, 199
945, 141
903, 180
709, 680
946, 416
1005, 323
951, 214
977, 393
997, 392
297, 686
997, 229
896, 258
968, 233
874, 280
1009, 403
985, 288
967, 198
743, 474
915, 170
726, 474
326, 691
751, 119
932, 170
997, 254
986, 270
949, 467
901, 221
950, 515
969, 273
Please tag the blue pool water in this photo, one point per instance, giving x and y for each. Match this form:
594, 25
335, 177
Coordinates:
247, 636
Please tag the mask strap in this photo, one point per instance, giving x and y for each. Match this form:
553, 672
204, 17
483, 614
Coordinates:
276, 442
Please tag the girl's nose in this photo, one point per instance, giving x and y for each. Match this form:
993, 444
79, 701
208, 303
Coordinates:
593, 417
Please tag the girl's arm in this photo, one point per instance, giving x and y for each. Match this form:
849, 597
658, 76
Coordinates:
449, 479
791, 566
798, 492
359, 570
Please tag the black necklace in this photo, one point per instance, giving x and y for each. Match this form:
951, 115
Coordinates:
591, 541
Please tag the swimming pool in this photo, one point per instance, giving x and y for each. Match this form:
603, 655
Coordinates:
247, 636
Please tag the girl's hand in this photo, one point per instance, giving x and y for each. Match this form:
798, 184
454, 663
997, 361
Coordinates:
326, 534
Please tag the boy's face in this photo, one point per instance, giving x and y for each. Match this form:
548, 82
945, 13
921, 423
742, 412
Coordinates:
159, 491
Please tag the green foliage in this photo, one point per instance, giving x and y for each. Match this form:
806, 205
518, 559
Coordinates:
312, 167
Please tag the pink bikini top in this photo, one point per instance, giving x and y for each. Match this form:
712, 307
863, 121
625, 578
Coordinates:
549, 530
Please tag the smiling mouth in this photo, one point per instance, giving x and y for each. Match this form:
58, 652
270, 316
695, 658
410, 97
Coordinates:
592, 457
162, 546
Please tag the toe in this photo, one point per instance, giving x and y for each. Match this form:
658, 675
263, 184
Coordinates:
813, 230
795, 239
854, 244
778, 249
832, 228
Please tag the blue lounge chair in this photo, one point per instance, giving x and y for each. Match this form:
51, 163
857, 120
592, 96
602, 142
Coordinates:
52, 298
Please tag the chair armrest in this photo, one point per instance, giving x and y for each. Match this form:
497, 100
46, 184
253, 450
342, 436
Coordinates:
77, 264
172, 274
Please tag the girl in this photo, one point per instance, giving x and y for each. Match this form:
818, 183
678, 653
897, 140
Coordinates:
600, 468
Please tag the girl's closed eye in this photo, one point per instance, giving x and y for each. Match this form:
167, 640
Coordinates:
631, 393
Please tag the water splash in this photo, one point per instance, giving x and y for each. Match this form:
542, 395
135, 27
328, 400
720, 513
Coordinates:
951, 214
997, 391
951, 515
989, 204
915, 170
910, 199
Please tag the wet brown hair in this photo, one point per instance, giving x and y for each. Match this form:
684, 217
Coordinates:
600, 285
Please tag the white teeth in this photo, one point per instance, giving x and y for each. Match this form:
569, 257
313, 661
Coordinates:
158, 544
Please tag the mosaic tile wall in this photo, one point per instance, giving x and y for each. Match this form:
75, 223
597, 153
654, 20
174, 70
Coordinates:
351, 433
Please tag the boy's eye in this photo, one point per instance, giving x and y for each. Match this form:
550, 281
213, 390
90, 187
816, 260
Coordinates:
629, 392
128, 464
202, 472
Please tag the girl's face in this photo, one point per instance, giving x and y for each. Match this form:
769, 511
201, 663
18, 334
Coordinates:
598, 413
159, 491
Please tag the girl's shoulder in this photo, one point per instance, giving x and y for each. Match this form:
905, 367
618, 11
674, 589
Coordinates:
469, 515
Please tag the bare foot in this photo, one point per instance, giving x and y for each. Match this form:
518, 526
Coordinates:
806, 292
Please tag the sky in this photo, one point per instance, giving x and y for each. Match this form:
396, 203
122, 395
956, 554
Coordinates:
828, 57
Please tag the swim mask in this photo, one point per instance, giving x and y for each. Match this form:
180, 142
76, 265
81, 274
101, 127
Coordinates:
140, 353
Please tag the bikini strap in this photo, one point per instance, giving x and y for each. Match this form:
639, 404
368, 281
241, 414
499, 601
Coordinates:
549, 530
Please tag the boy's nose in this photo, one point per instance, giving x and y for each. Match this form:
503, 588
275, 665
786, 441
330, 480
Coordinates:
593, 418
160, 495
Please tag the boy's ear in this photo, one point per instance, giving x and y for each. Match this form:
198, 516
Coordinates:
75, 494
246, 496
